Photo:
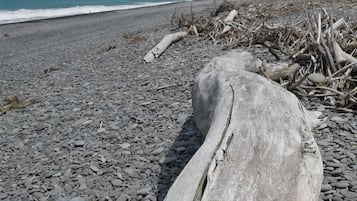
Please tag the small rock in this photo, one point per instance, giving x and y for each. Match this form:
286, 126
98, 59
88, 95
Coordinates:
82, 182
123, 197
3, 196
335, 198
317, 78
125, 145
57, 174
87, 122
101, 130
76, 109
338, 119
144, 191
326, 187
322, 126
336, 172
79, 143
341, 184
324, 142
77, 199
116, 182
349, 194
158, 150
94, 168
129, 171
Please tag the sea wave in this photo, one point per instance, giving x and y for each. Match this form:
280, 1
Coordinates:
24, 15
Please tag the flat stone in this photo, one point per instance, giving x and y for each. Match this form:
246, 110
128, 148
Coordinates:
335, 198
334, 164
158, 150
326, 187
336, 172
341, 184
116, 182
76, 109
79, 143
144, 191
317, 78
125, 145
77, 199
3, 196
324, 142
349, 194
129, 171
338, 119
101, 130
94, 168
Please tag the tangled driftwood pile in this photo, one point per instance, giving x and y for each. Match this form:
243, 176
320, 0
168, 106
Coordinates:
323, 46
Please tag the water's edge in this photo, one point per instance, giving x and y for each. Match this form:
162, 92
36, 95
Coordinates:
24, 15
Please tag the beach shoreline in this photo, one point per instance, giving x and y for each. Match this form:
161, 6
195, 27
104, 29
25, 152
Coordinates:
124, 8
28, 15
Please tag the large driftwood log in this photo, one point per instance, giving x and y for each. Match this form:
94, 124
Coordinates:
258, 140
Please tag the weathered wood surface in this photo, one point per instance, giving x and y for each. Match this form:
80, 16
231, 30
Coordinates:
258, 140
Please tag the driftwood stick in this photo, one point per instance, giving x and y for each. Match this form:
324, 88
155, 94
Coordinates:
277, 71
340, 55
343, 69
228, 21
166, 42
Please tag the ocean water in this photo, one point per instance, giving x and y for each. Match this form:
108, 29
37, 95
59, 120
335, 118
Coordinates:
12, 11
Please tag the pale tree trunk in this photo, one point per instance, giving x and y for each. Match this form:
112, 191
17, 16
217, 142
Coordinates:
258, 139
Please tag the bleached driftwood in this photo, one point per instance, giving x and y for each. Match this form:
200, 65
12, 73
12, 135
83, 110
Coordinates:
156, 51
163, 45
258, 140
228, 21
342, 56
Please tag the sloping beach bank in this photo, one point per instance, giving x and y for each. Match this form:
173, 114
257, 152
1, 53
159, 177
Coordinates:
107, 126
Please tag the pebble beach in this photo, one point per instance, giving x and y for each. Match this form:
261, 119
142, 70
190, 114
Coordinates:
107, 126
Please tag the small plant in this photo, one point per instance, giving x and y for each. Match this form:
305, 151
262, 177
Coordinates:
132, 38
14, 102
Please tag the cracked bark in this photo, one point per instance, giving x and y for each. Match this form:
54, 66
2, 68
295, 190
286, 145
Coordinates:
258, 144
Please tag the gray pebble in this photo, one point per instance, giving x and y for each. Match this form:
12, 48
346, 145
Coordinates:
324, 142
125, 145
116, 182
79, 143
349, 194
158, 150
326, 187
3, 196
338, 119
341, 184
144, 191
77, 199
335, 198
129, 171
336, 172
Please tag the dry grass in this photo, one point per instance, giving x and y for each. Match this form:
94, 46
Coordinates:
133, 38
108, 48
292, 42
46, 72
13, 102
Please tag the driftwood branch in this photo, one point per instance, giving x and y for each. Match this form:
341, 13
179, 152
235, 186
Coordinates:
160, 48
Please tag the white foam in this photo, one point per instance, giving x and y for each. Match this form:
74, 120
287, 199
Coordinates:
23, 15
